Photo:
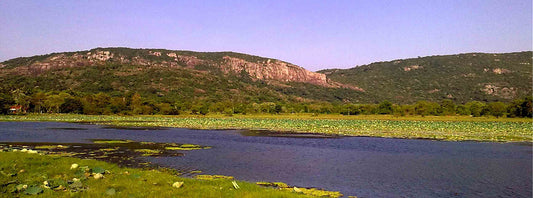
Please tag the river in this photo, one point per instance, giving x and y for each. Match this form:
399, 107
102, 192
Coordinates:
360, 166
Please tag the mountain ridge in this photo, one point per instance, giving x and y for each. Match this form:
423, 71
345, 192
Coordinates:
258, 67
212, 76
488, 76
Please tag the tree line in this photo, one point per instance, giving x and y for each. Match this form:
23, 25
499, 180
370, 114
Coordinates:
135, 104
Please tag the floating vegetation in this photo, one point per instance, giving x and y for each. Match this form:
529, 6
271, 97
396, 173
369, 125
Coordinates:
41, 147
450, 128
112, 141
181, 148
190, 146
148, 152
121, 152
306, 191
186, 147
213, 177
109, 149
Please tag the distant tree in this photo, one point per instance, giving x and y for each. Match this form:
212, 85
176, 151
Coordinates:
118, 105
204, 109
136, 104
497, 109
527, 107
89, 107
53, 102
385, 107
475, 108
4, 105
37, 101
228, 112
448, 107
21, 98
278, 108
424, 108
163, 108
514, 109
71, 105
267, 107
350, 109
462, 110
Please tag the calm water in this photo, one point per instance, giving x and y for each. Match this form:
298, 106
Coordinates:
365, 167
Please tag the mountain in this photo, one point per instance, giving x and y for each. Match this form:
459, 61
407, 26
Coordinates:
461, 78
184, 76
172, 76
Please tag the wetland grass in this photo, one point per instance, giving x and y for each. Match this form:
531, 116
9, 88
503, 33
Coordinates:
449, 128
35, 175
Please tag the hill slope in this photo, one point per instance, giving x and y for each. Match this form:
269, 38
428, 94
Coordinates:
462, 78
186, 76
171, 76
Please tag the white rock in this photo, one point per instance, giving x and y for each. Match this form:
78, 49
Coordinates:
98, 176
177, 184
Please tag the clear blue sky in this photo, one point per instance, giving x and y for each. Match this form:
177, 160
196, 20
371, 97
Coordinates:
313, 34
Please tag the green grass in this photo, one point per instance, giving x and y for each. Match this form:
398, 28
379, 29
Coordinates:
33, 170
450, 128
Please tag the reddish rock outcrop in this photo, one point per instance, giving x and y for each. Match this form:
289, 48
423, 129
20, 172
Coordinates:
274, 70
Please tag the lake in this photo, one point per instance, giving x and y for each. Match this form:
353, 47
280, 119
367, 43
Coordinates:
360, 166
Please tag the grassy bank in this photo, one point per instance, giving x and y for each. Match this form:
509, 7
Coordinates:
24, 174
451, 128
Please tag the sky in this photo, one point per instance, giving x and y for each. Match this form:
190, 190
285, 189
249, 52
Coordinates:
313, 34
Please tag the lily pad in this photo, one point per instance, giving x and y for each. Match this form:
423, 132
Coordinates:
112, 141
181, 148
97, 169
33, 190
110, 191
76, 184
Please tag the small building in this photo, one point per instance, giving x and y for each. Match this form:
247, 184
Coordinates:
16, 109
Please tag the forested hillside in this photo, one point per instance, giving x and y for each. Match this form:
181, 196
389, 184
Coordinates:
158, 81
460, 78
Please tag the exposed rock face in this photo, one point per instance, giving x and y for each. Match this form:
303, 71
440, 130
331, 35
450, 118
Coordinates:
274, 70
99, 55
500, 71
504, 92
412, 67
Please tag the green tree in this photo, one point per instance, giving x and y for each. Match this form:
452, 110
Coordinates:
136, 104
448, 107
72, 105
21, 98
385, 107
163, 108
37, 100
497, 108
423, 108
475, 108
53, 102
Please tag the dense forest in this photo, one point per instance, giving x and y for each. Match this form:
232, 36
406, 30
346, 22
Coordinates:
134, 104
